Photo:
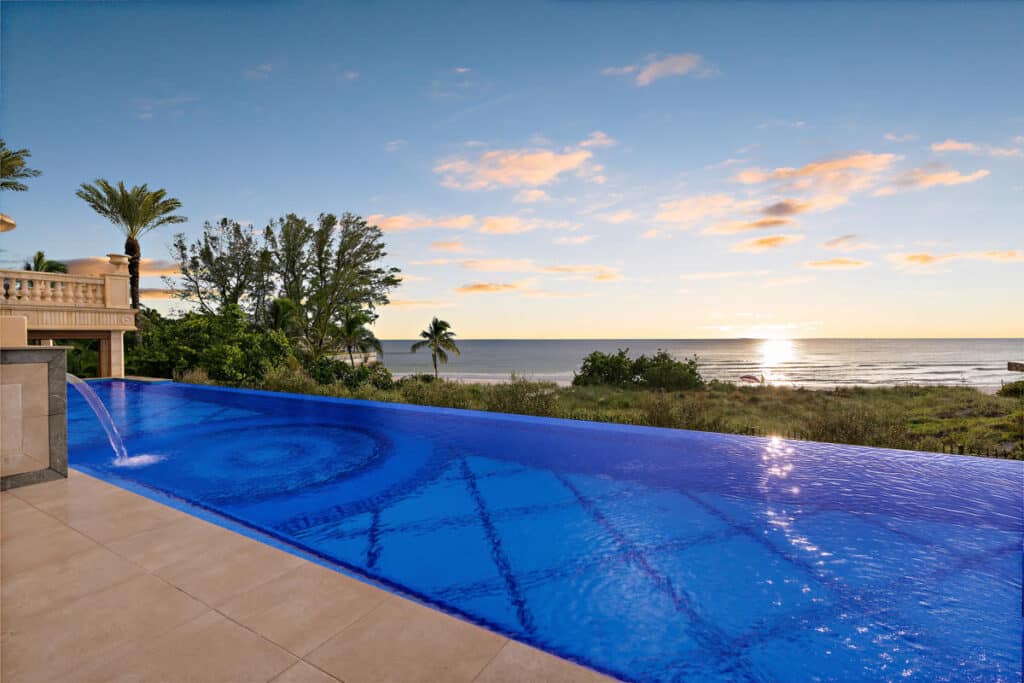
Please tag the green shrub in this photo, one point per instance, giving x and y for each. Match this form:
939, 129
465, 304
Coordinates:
845, 421
1012, 389
520, 395
660, 410
611, 369
439, 393
290, 377
660, 371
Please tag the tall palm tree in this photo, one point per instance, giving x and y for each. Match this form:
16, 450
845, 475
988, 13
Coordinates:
439, 338
41, 264
13, 168
354, 335
135, 212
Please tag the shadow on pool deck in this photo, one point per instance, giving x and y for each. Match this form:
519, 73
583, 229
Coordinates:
100, 584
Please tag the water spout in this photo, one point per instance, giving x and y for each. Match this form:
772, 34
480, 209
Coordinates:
121, 457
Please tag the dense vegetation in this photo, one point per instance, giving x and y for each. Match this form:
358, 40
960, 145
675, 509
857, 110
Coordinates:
660, 371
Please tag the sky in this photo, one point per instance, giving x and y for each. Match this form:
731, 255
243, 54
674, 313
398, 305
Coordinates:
558, 169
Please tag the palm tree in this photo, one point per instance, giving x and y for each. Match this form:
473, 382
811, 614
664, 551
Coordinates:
13, 168
440, 339
41, 264
354, 335
136, 212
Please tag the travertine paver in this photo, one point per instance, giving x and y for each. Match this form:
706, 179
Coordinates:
98, 584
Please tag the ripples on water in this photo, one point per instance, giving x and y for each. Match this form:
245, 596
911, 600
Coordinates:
812, 363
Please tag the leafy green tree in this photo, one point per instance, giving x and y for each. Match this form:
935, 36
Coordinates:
439, 339
284, 314
14, 168
135, 212
41, 264
227, 266
355, 336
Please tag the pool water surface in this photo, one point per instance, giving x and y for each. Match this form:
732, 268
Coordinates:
648, 554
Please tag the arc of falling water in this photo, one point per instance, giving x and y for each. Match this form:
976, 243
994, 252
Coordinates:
121, 457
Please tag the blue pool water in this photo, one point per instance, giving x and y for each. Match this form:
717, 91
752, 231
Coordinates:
649, 554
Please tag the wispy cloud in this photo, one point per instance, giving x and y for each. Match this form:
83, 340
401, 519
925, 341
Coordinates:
529, 167
736, 227
927, 261
452, 245
507, 225
847, 243
616, 217
782, 123
951, 145
899, 137
487, 287
349, 75
723, 274
152, 293
686, 212
99, 265
759, 244
597, 139
786, 207
153, 107
394, 145
573, 240
790, 281
259, 72
931, 176
416, 222
531, 196
656, 68
838, 263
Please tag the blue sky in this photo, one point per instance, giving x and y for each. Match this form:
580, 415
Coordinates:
561, 169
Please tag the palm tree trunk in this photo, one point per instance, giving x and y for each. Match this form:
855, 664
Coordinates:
351, 360
434, 355
131, 248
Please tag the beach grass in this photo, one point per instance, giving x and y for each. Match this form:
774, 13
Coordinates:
949, 419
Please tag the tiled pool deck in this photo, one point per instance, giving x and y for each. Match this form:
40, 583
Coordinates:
102, 584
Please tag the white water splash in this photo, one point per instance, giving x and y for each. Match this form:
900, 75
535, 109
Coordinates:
121, 457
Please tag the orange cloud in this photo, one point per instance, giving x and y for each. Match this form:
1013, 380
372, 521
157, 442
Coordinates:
414, 222
839, 263
924, 260
672, 65
509, 167
759, 244
847, 243
99, 265
687, 211
787, 207
454, 245
499, 265
598, 272
531, 196
486, 287
507, 225
734, 227
923, 178
855, 163
156, 293
951, 145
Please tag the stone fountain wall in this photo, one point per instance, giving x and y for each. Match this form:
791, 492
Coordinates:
33, 411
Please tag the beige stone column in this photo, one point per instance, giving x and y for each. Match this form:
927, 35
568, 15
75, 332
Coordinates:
114, 348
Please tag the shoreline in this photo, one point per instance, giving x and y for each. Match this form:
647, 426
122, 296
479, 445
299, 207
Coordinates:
470, 379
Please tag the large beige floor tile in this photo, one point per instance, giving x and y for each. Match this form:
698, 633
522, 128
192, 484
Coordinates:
175, 542
301, 609
209, 649
56, 644
403, 641
215, 576
123, 519
518, 663
302, 672
55, 584
18, 518
48, 544
63, 494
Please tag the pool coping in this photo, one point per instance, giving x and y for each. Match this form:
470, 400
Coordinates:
494, 656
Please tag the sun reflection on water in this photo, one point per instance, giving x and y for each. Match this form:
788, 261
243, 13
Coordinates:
776, 353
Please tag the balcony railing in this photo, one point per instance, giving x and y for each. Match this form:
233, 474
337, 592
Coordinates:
52, 289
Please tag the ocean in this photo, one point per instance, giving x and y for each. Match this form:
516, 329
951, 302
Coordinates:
810, 363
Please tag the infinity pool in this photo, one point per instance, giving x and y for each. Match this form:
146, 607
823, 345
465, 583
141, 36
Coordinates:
649, 554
